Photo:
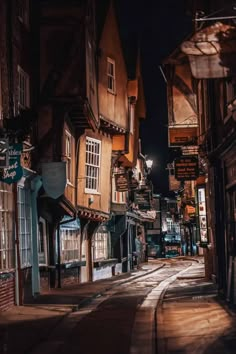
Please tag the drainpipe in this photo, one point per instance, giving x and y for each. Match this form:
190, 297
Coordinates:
58, 257
19, 290
128, 249
36, 184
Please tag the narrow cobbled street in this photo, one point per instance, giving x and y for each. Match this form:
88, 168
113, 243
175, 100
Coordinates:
164, 307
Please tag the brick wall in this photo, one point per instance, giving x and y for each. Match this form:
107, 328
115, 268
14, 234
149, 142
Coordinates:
7, 291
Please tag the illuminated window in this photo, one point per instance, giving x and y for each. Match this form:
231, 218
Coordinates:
24, 221
70, 245
101, 245
68, 153
23, 88
111, 78
92, 164
132, 111
117, 197
6, 228
169, 225
42, 243
202, 216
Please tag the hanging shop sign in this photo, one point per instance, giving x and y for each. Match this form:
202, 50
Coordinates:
143, 199
179, 136
186, 168
202, 217
14, 171
133, 183
4, 153
54, 178
122, 182
4, 160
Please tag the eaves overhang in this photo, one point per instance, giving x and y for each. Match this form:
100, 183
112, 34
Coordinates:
82, 116
78, 110
92, 214
111, 127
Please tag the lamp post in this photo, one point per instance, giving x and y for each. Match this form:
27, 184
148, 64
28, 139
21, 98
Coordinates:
149, 164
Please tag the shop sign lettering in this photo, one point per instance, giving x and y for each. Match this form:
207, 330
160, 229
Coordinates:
13, 172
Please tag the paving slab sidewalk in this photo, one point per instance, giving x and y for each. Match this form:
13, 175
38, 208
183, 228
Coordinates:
23, 327
192, 320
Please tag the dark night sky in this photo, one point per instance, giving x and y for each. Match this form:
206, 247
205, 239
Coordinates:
159, 27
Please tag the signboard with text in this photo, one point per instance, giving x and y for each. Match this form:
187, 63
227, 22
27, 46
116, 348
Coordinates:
4, 153
186, 168
14, 171
143, 199
179, 136
202, 216
122, 182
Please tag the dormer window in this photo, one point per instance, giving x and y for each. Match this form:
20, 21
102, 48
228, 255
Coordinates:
111, 78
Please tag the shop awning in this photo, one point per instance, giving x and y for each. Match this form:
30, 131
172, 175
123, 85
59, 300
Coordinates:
141, 215
212, 51
69, 223
53, 209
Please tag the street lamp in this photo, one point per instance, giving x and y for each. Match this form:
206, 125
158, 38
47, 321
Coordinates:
149, 164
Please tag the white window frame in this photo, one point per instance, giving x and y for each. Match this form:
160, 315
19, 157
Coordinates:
42, 243
169, 223
23, 12
101, 246
111, 76
24, 225
7, 256
117, 197
23, 88
70, 245
92, 165
68, 155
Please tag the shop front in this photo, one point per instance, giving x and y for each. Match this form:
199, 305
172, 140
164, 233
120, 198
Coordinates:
7, 250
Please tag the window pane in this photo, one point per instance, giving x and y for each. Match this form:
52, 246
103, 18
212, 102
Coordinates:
101, 241
6, 227
92, 163
24, 222
70, 245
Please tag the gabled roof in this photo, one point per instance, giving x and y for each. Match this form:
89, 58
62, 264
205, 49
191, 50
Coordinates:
129, 44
